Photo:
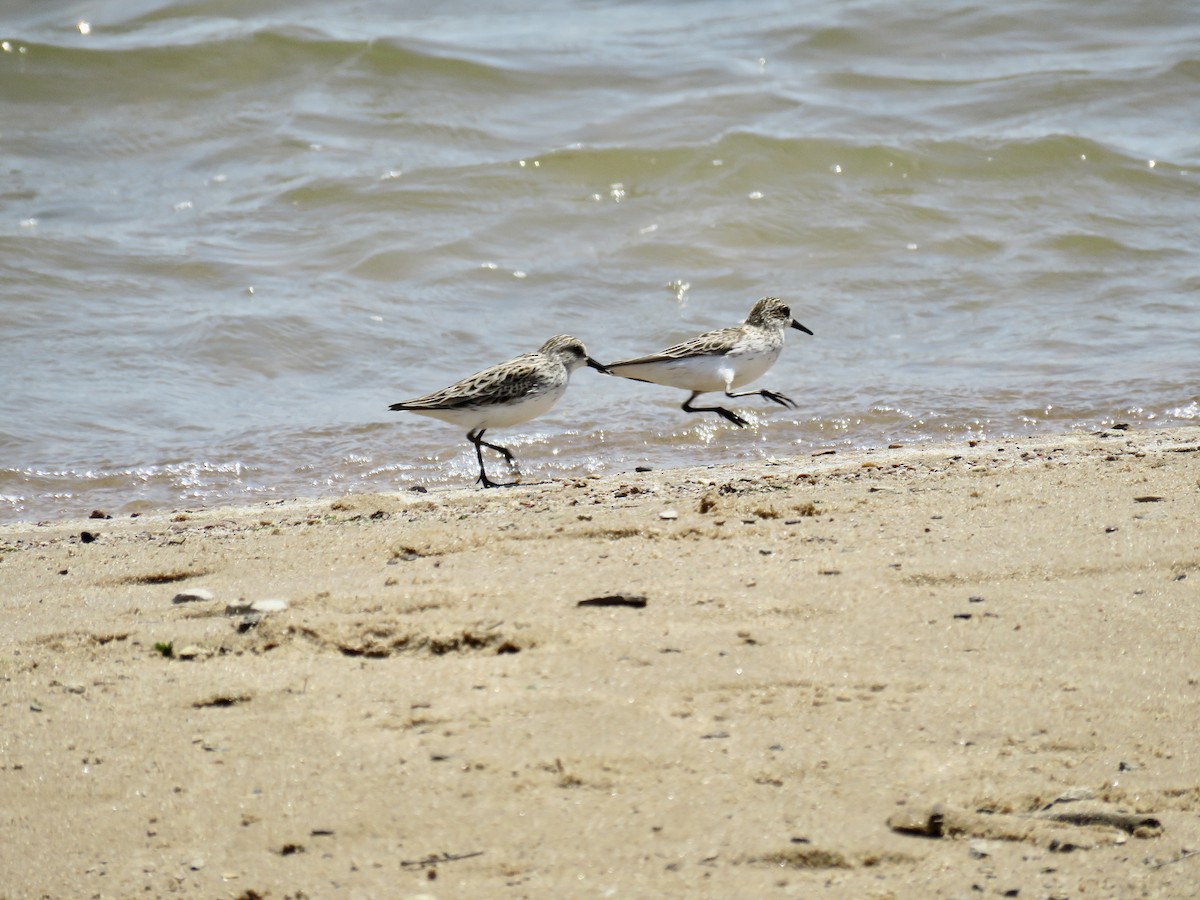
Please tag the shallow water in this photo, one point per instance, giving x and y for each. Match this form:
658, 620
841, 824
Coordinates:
229, 239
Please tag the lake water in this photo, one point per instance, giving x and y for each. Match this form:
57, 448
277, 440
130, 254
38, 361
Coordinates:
231, 234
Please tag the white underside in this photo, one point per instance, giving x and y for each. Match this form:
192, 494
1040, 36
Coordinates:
703, 373
498, 415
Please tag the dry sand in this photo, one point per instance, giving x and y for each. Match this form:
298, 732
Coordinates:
829, 645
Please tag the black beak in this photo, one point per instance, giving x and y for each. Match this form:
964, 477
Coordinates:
599, 367
800, 327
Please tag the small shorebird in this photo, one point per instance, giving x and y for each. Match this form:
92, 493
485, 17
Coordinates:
509, 393
720, 360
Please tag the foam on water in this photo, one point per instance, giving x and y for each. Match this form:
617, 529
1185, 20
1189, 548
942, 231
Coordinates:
228, 240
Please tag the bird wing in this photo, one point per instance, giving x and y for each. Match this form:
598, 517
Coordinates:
711, 343
518, 377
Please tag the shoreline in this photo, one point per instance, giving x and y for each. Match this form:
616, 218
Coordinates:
779, 660
540, 454
818, 460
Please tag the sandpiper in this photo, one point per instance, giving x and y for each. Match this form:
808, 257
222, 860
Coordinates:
509, 393
720, 360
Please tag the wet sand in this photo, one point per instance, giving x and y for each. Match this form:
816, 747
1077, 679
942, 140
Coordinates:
784, 670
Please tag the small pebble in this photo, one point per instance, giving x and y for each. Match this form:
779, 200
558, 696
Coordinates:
194, 595
1075, 794
191, 651
668, 514
242, 607
980, 849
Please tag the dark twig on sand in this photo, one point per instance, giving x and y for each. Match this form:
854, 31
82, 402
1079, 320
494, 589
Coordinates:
436, 858
636, 601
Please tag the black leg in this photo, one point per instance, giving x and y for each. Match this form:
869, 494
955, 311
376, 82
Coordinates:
769, 395
503, 451
719, 410
476, 438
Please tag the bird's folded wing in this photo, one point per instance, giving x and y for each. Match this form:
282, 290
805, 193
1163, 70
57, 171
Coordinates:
517, 378
713, 343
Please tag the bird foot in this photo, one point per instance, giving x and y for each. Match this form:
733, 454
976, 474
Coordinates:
488, 483
780, 399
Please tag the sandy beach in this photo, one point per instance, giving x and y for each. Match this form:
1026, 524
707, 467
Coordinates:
961, 670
